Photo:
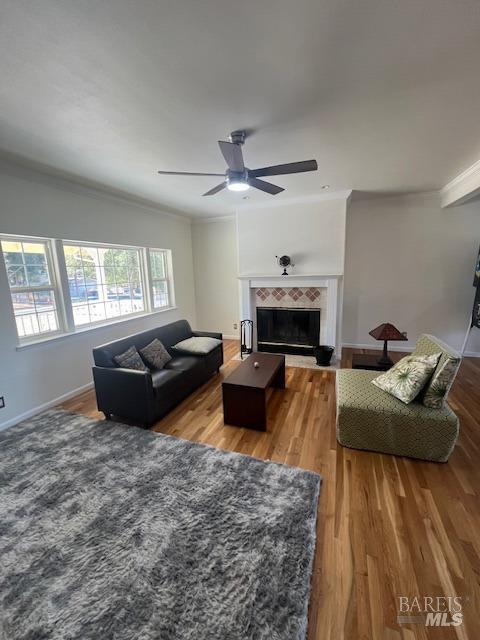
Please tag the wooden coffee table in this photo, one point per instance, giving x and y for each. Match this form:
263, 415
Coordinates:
245, 390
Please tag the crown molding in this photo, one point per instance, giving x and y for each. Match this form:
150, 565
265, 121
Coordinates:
367, 196
317, 197
26, 169
462, 188
210, 219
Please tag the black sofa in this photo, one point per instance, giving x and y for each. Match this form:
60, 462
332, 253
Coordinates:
145, 396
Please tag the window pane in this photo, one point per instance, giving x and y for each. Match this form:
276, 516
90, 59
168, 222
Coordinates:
12, 252
160, 294
35, 313
109, 276
76, 286
44, 300
23, 303
46, 322
89, 255
108, 280
34, 253
17, 276
81, 315
112, 308
157, 262
37, 275
35, 310
97, 312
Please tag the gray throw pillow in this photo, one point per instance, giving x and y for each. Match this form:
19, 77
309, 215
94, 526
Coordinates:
130, 359
198, 346
155, 354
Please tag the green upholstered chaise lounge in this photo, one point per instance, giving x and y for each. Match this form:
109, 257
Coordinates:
371, 419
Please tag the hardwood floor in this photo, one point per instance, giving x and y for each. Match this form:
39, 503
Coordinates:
387, 526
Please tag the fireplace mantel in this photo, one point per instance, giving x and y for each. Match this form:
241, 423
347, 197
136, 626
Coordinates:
332, 282
308, 277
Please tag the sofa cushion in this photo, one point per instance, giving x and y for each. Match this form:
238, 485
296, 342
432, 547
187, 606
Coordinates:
184, 363
407, 378
164, 377
155, 354
130, 359
199, 346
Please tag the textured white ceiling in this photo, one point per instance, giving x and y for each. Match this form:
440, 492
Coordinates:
385, 94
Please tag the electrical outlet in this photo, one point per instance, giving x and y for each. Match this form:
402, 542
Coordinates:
235, 325
2, 402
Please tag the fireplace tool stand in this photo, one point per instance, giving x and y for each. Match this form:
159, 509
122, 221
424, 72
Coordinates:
246, 337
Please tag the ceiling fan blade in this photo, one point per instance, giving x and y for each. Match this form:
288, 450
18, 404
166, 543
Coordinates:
268, 187
281, 169
233, 155
187, 173
216, 189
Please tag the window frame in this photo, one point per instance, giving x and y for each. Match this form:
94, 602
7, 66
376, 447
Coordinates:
107, 321
54, 287
64, 310
167, 279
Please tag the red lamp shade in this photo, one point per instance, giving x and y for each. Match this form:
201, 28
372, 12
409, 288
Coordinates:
387, 331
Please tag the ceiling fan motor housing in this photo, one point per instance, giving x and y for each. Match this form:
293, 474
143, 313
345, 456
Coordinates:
238, 137
237, 176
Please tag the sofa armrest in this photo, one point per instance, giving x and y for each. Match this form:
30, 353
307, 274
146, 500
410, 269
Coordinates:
207, 334
124, 392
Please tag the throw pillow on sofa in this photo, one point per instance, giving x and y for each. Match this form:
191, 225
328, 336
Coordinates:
407, 378
155, 354
440, 383
197, 346
130, 359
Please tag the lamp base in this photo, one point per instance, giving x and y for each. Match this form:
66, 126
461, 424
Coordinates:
385, 359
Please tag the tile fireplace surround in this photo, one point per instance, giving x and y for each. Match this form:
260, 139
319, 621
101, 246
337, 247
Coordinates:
291, 297
294, 292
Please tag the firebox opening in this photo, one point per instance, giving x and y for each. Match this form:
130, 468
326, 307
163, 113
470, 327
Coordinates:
288, 330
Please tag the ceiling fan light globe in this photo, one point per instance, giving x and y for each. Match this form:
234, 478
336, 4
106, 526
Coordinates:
238, 186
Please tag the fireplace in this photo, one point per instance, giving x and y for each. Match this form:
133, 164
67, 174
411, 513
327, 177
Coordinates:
329, 303
281, 330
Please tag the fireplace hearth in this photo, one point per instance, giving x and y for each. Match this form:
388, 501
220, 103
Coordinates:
288, 330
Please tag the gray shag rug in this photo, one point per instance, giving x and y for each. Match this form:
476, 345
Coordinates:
110, 532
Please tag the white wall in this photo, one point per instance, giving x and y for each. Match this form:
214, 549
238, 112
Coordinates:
312, 232
216, 284
33, 204
411, 263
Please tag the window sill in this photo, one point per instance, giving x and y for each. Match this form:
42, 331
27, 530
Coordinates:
81, 331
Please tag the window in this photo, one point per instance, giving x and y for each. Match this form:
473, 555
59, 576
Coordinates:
32, 286
104, 282
61, 286
159, 278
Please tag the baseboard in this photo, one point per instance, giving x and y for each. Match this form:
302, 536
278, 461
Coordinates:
391, 347
228, 337
45, 406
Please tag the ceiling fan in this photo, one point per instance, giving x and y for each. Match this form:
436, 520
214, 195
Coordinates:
238, 177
